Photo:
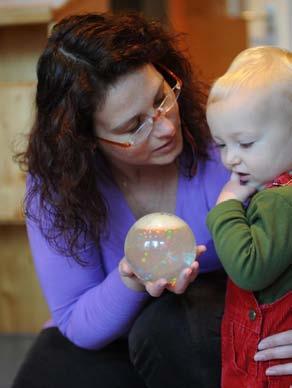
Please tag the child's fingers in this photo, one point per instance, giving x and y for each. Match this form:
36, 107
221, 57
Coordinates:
234, 177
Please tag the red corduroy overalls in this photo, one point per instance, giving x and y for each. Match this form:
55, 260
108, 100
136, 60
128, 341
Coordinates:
244, 324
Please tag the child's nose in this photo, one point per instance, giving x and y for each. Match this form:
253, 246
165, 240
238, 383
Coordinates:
232, 158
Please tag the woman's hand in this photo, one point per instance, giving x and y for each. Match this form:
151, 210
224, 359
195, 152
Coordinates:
128, 276
187, 276
157, 287
275, 347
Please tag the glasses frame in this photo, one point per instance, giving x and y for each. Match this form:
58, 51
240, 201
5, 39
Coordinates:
177, 86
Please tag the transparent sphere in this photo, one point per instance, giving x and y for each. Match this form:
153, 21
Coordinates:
160, 245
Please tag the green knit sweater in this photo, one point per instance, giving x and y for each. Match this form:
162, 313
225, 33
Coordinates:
255, 244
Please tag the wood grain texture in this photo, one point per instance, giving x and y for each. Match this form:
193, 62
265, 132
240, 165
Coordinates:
16, 118
80, 7
212, 39
22, 306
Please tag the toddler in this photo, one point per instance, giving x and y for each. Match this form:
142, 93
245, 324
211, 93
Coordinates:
249, 113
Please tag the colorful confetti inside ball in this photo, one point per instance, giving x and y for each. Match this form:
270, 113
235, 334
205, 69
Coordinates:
160, 245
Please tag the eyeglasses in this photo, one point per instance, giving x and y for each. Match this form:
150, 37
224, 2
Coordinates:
141, 133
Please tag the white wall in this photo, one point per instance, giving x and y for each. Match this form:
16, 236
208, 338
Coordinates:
270, 22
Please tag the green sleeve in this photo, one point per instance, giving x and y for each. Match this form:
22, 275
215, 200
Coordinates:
254, 246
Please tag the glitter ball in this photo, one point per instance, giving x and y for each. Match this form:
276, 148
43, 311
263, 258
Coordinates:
167, 242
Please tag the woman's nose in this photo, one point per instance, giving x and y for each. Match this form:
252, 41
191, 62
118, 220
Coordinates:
163, 126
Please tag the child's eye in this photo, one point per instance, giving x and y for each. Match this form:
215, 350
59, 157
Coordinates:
246, 145
220, 145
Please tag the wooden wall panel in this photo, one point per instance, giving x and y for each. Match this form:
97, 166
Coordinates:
212, 38
20, 47
25, 14
214, 42
78, 7
16, 118
22, 306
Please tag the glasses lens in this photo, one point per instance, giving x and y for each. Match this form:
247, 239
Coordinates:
176, 91
142, 132
168, 102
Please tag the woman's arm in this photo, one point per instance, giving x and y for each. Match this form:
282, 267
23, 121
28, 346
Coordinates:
91, 308
275, 347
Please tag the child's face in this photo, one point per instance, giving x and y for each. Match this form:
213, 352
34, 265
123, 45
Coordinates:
254, 135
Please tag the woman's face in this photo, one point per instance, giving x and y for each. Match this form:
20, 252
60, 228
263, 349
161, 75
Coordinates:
127, 102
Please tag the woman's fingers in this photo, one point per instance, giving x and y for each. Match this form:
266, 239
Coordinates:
277, 353
284, 338
128, 276
276, 347
187, 276
200, 249
125, 268
195, 271
156, 288
177, 285
280, 370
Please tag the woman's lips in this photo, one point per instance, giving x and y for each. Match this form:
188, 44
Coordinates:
167, 146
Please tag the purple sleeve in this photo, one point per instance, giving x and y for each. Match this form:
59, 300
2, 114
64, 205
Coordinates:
90, 308
196, 198
213, 176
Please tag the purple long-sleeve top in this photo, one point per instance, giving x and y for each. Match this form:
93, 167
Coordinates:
90, 304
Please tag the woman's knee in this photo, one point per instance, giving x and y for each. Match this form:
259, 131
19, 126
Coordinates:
157, 323
54, 362
177, 338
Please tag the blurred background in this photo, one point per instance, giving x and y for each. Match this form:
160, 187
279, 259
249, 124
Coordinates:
216, 30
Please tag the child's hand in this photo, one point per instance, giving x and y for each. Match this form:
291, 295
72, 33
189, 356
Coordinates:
156, 288
235, 190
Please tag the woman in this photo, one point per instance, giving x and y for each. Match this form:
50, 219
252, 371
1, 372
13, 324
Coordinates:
120, 132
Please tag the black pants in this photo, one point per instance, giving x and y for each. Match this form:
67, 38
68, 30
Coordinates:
175, 342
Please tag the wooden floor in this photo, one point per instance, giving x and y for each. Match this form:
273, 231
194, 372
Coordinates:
12, 351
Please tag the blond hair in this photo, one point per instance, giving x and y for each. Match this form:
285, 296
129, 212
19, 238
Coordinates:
256, 67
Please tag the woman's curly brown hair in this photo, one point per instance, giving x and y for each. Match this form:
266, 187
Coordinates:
86, 54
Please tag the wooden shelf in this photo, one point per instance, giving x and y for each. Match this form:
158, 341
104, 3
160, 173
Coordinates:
23, 35
16, 119
78, 7
17, 84
25, 15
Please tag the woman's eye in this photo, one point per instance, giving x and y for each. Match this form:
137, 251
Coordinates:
133, 129
246, 145
159, 101
135, 126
